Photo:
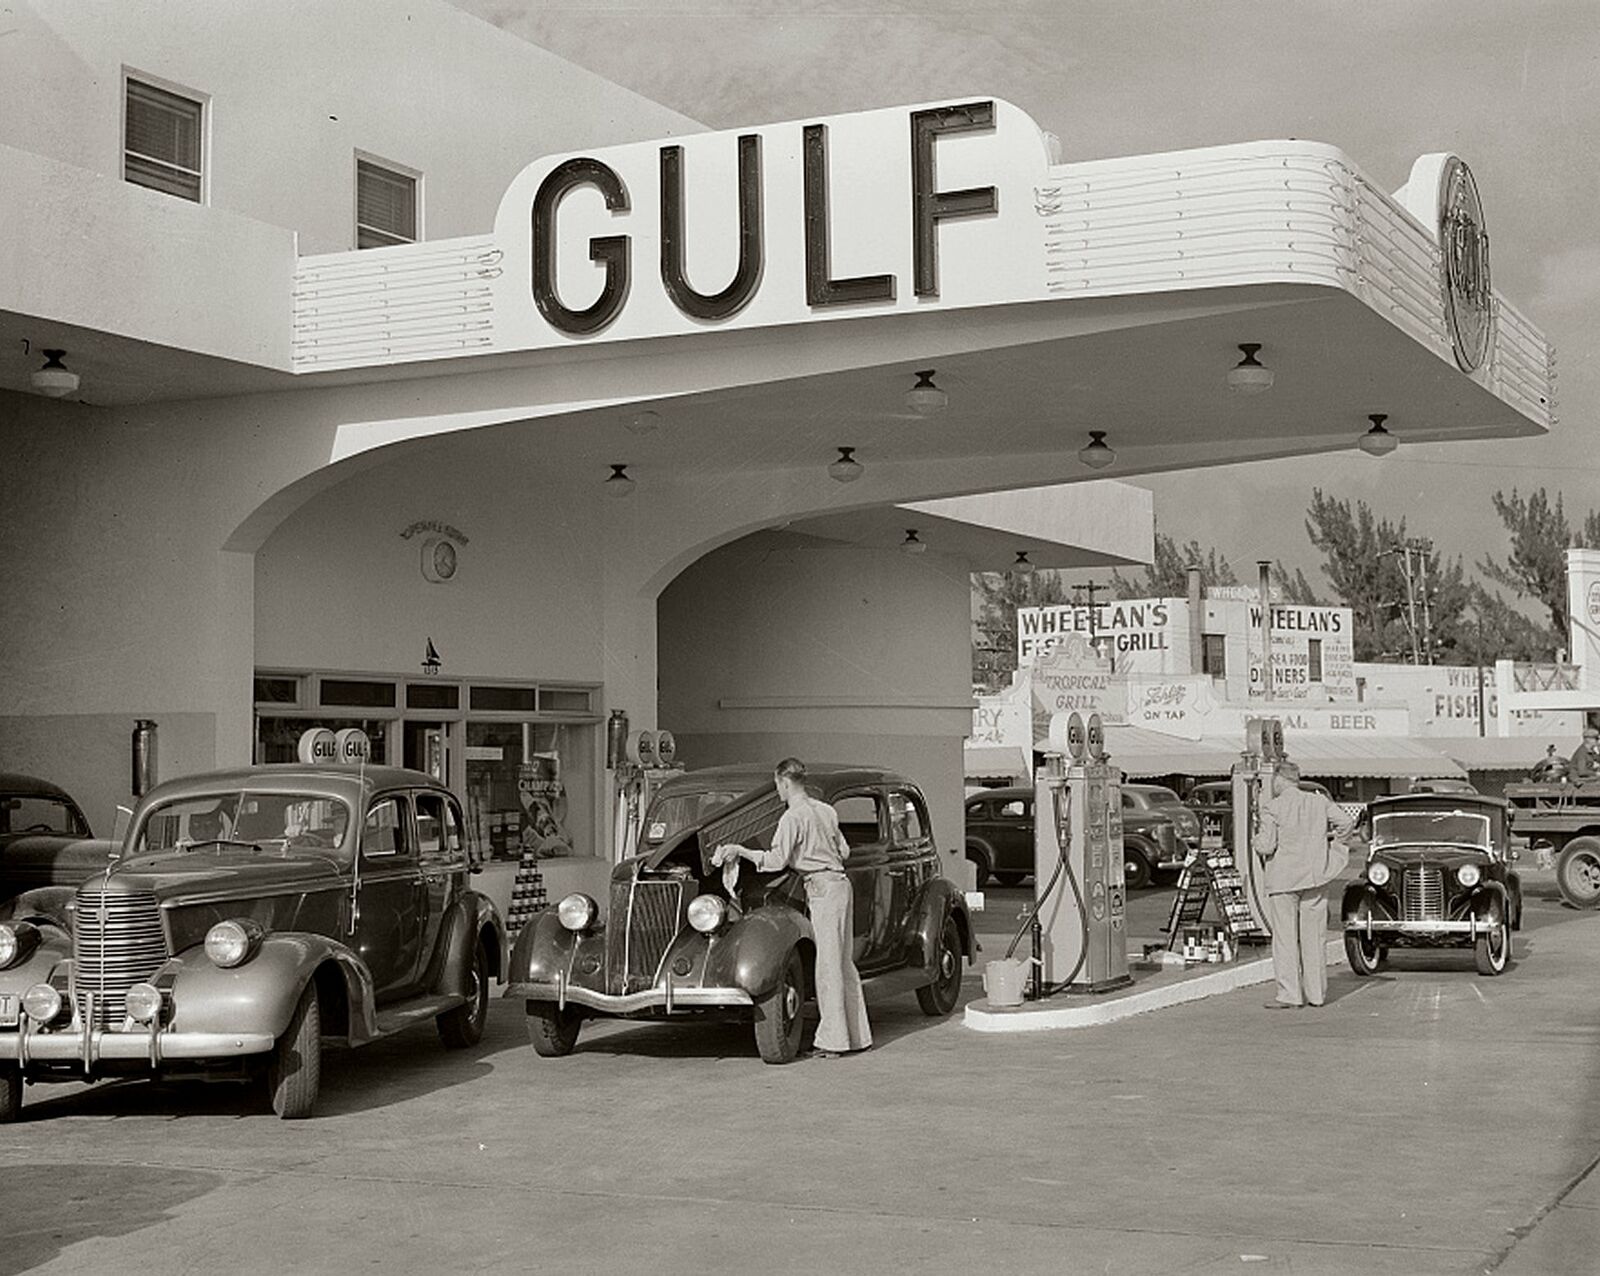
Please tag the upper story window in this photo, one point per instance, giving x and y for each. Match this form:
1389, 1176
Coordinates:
163, 139
386, 204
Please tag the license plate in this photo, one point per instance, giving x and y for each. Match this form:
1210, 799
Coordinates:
8, 1008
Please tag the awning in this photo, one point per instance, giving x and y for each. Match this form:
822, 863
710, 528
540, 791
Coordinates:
1143, 753
996, 762
1519, 753
1385, 756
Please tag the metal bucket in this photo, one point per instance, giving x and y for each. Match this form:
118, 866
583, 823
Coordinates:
1005, 980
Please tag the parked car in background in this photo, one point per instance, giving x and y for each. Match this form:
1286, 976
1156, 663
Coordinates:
45, 842
1440, 784
999, 838
1438, 874
250, 916
1212, 803
675, 942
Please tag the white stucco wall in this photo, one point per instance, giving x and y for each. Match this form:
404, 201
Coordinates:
778, 644
295, 87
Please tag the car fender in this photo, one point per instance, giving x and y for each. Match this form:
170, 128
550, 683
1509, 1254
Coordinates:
980, 852
470, 916
260, 995
40, 905
938, 899
1361, 900
750, 954
1489, 902
543, 948
48, 958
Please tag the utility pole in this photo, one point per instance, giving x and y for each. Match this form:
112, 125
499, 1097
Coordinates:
1424, 548
1090, 588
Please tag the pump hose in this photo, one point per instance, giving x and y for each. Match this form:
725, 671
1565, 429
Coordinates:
1083, 916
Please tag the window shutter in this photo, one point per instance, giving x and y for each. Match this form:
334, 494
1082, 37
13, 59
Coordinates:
386, 206
162, 146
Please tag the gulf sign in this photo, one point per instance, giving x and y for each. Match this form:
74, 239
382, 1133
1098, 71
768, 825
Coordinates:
873, 212
318, 745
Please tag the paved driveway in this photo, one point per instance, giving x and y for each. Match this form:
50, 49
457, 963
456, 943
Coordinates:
1420, 1123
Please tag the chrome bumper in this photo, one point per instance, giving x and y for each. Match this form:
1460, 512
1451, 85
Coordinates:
1371, 926
665, 995
27, 1044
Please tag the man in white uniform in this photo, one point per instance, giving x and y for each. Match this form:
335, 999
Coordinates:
1298, 830
808, 840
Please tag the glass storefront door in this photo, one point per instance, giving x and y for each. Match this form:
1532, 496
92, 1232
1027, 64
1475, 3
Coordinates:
530, 786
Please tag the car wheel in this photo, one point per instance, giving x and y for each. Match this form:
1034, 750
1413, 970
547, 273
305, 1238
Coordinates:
1010, 879
1365, 955
10, 1095
553, 1029
462, 1027
1578, 872
980, 864
779, 1015
1136, 870
1492, 952
939, 998
294, 1073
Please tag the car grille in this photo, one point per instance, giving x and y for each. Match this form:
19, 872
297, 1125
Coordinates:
644, 920
117, 941
1422, 894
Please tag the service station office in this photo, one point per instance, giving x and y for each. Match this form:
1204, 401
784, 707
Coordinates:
643, 440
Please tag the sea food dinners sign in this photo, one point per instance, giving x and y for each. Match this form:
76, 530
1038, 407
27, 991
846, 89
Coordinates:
877, 211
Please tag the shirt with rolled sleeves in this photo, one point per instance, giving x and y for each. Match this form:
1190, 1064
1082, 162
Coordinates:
807, 839
1295, 830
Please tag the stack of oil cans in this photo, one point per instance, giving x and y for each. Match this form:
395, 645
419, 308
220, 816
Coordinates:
527, 892
1209, 943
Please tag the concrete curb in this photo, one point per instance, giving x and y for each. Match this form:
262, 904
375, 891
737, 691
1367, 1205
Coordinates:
1044, 1016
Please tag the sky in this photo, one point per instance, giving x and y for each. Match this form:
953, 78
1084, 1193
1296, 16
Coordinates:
1512, 86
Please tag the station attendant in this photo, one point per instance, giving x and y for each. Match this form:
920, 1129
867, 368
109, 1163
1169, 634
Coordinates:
1299, 831
808, 840
1585, 764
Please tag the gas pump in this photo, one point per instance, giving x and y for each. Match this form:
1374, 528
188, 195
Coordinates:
649, 761
1252, 785
1079, 887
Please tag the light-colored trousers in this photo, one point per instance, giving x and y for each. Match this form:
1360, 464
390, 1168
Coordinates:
1299, 945
844, 1026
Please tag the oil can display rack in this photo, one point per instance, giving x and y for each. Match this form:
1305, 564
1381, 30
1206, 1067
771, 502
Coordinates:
1206, 874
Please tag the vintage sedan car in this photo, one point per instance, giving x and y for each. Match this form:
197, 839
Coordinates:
1438, 874
676, 942
1212, 803
250, 915
1000, 838
45, 842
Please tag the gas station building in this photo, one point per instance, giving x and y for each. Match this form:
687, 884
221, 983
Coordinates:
619, 413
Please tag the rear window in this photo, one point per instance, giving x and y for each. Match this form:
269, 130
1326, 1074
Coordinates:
28, 813
1156, 793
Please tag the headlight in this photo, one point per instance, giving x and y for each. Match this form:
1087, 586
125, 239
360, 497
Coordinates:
42, 1003
577, 911
229, 943
17, 940
144, 1003
9, 947
1377, 872
1469, 875
706, 913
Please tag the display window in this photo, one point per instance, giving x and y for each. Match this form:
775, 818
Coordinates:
525, 757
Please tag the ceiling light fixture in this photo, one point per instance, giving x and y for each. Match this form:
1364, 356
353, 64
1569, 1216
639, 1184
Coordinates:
1249, 376
1022, 564
643, 422
1377, 441
925, 398
54, 379
1097, 453
846, 469
619, 485
913, 544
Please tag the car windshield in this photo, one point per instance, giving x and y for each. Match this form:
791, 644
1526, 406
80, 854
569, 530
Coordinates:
1156, 795
266, 821
1412, 828
671, 813
30, 813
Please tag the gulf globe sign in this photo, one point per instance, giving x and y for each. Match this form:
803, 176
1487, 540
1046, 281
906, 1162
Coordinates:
319, 746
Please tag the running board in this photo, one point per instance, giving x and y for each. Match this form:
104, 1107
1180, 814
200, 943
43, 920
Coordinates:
407, 1014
